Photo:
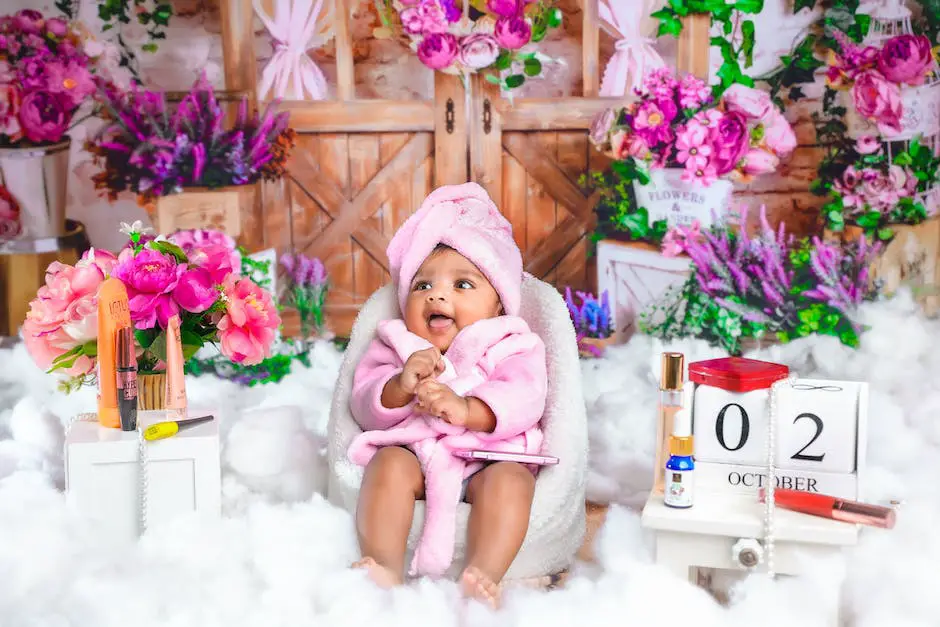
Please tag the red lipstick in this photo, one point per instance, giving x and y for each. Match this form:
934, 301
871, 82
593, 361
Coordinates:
833, 508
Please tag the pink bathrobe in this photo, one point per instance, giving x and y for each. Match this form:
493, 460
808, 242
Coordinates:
497, 360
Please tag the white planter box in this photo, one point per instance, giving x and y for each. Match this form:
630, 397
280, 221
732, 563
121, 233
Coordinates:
634, 276
103, 481
668, 197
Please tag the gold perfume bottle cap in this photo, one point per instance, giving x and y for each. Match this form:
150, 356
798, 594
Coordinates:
673, 371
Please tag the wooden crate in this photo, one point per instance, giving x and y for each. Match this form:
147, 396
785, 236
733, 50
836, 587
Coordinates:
635, 275
911, 259
227, 209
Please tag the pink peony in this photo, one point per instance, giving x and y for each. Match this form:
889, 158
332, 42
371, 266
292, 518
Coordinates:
218, 260
867, 145
906, 59
478, 50
438, 50
731, 140
878, 100
43, 117
504, 8
9, 112
753, 104
150, 278
778, 135
513, 32
758, 161
246, 330
57, 27
29, 21
196, 290
424, 19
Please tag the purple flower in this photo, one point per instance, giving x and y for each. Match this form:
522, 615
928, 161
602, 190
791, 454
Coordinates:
512, 32
730, 140
150, 278
438, 50
43, 117
505, 8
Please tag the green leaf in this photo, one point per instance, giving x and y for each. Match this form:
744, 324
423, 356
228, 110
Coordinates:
885, 233
490, 78
555, 18
799, 5
747, 45
514, 80
168, 248
158, 347
749, 6
680, 7
503, 61
903, 158
670, 25
533, 67
149, 47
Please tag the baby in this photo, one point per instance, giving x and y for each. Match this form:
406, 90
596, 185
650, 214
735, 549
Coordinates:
460, 371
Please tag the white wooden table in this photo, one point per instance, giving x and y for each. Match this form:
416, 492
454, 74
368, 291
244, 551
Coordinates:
723, 530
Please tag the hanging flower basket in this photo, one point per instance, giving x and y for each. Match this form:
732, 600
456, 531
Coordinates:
681, 203
920, 114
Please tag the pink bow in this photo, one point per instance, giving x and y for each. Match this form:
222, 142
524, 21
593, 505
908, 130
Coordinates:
634, 55
290, 72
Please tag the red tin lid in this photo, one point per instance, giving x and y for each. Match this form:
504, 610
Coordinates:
737, 374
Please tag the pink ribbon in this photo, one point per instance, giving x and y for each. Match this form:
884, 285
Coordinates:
634, 54
291, 73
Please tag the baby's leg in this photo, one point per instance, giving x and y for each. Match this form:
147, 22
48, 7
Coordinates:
501, 498
392, 482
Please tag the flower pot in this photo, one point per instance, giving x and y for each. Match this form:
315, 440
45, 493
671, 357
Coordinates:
920, 115
37, 177
221, 209
151, 391
599, 343
668, 197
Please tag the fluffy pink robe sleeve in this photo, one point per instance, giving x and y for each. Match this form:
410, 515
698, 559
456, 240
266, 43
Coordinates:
498, 360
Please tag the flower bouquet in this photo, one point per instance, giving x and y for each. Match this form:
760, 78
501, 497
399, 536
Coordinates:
149, 150
872, 189
193, 274
895, 86
591, 322
681, 149
306, 290
750, 287
473, 36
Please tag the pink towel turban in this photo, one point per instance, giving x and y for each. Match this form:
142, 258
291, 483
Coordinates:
466, 219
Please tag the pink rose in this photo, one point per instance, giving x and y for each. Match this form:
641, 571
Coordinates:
246, 330
43, 117
779, 135
753, 104
9, 112
878, 100
438, 50
150, 278
513, 32
867, 145
906, 59
504, 8
478, 51
731, 140
758, 161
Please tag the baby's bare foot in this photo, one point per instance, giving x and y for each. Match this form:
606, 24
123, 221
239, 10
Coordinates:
477, 585
382, 576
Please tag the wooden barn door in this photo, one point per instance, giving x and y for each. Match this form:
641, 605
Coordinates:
529, 154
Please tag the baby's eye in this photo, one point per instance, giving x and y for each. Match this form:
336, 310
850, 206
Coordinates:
422, 285
464, 284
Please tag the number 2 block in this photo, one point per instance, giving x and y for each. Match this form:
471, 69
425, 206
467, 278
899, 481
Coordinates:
730, 427
817, 426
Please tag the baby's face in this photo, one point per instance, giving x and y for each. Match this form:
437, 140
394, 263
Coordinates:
447, 294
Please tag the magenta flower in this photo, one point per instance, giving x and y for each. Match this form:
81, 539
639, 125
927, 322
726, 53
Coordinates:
661, 84
879, 100
694, 93
678, 237
425, 18
72, 82
218, 260
196, 290
505, 8
867, 145
653, 119
57, 27
705, 176
512, 33
438, 50
29, 21
692, 149
906, 59
43, 117
731, 140
150, 278
707, 119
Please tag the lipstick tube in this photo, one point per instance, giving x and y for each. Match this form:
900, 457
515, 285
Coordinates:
833, 508
126, 361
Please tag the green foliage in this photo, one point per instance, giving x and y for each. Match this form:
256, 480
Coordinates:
619, 217
116, 13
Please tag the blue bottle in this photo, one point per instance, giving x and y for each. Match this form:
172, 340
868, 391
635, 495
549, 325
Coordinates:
680, 467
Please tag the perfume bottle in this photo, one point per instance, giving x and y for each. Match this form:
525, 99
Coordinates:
679, 473
672, 375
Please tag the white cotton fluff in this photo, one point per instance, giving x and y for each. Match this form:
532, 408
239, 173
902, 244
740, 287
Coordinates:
271, 451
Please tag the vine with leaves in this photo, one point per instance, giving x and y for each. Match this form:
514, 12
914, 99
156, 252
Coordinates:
116, 13
727, 13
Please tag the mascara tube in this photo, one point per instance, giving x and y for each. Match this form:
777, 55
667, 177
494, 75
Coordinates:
126, 378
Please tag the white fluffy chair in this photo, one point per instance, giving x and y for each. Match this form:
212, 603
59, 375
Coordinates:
557, 521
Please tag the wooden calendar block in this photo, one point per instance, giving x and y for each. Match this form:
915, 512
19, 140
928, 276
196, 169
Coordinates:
817, 418
730, 427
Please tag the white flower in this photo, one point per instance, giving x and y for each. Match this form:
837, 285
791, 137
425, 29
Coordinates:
136, 227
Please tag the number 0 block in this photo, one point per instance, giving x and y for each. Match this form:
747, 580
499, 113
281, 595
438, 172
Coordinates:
730, 427
818, 426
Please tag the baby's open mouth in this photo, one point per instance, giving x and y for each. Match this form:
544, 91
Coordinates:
439, 321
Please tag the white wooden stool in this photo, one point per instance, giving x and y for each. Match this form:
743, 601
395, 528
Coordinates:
727, 531
103, 473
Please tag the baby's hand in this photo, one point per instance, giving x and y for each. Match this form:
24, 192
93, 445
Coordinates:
421, 365
437, 399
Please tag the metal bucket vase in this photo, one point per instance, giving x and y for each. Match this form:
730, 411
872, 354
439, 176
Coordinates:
37, 177
680, 203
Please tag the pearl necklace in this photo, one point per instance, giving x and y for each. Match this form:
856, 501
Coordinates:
769, 503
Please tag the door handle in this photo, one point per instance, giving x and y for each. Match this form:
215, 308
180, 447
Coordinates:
449, 116
487, 117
